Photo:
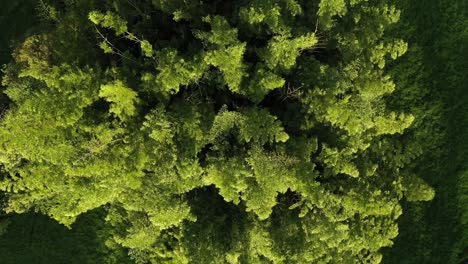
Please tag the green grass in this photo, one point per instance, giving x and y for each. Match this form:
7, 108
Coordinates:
433, 76
33, 238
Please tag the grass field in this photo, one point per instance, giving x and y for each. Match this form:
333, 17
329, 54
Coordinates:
436, 70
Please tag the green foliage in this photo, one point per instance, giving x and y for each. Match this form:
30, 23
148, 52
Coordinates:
282, 52
122, 99
271, 13
174, 72
263, 82
257, 131
109, 20
418, 190
147, 48
330, 9
227, 53
106, 47
255, 125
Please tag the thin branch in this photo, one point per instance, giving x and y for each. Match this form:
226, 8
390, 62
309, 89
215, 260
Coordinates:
292, 92
137, 40
119, 52
136, 7
316, 25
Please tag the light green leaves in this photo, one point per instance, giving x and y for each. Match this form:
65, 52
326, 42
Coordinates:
230, 176
225, 51
273, 13
109, 20
254, 125
262, 82
416, 189
330, 8
281, 52
147, 48
221, 34
123, 99
274, 173
395, 50
174, 71
106, 47
259, 126
230, 63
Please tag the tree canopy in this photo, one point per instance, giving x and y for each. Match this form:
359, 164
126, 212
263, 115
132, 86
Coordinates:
213, 131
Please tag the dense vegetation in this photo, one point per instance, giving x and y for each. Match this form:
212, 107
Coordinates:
433, 81
264, 131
